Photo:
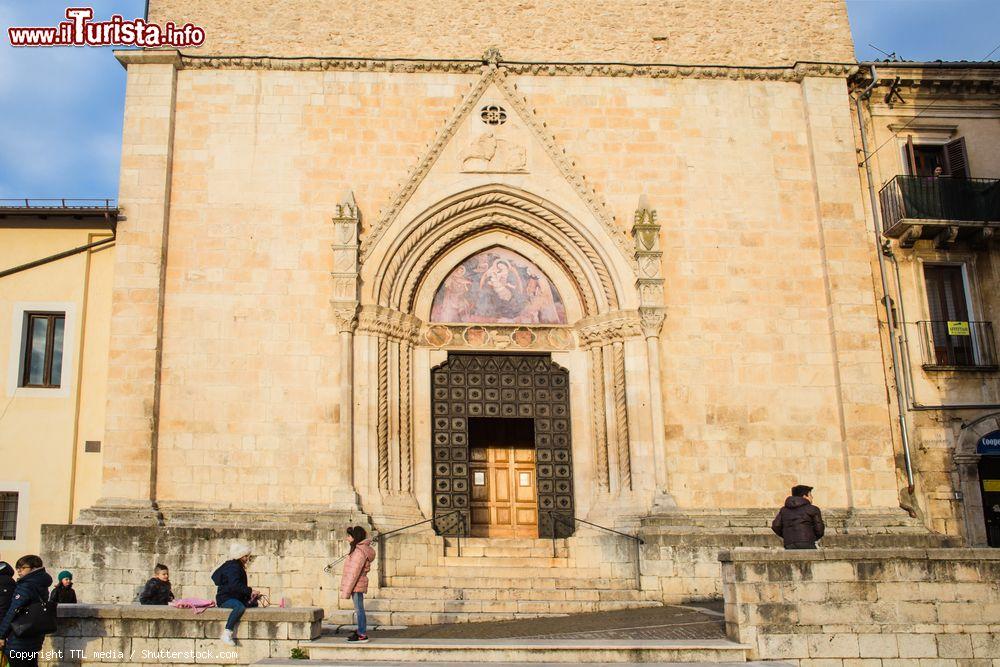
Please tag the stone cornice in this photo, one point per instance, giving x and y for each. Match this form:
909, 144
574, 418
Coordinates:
795, 72
944, 81
151, 57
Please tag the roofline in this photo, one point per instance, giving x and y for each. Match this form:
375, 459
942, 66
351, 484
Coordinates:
934, 64
106, 215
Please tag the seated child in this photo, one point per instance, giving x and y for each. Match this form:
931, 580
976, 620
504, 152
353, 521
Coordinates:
63, 593
157, 589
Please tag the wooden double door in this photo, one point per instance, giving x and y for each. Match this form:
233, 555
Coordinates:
504, 498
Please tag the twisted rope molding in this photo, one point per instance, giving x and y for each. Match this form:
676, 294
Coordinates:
598, 415
594, 202
383, 414
405, 446
621, 416
417, 235
434, 150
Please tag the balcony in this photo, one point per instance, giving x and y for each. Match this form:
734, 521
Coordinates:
957, 346
943, 209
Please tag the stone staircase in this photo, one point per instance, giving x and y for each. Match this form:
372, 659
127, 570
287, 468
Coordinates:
511, 652
492, 579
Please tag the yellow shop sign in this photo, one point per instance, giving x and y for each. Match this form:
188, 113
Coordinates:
958, 328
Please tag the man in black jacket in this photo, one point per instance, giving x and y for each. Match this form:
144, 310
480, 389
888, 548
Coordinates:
799, 523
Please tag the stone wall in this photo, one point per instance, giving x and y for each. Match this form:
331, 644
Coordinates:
681, 551
736, 32
110, 564
159, 635
764, 307
876, 607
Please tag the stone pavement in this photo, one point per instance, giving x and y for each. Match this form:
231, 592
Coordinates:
701, 621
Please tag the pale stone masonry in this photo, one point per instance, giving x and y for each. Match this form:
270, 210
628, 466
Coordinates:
882, 607
148, 636
134, 379
684, 32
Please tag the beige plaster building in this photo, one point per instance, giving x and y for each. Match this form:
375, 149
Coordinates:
468, 265
55, 307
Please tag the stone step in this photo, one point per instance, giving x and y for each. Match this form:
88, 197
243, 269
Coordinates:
427, 612
281, 662
512, 572
561, 651
536, 582
507, 606
503, 561
504, 594
504, 551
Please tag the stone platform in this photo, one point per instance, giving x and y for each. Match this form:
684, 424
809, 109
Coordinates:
157, 635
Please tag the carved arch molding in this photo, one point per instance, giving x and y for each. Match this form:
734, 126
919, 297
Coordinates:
502, 385
377, 287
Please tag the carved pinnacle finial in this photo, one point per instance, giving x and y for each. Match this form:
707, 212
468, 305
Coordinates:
348, 207
491, 56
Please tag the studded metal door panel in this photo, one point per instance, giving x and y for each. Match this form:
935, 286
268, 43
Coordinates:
526, 386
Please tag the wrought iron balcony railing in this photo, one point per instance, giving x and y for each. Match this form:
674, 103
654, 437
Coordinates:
954, 345
930, 204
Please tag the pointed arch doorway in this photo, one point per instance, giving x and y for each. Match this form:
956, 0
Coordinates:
515, 479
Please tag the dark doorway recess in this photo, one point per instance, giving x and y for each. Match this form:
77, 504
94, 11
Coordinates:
989, 484
511, 393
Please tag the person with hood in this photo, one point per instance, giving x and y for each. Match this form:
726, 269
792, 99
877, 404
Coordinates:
32, 586
62, 592
232, 591
799, 523
354, 580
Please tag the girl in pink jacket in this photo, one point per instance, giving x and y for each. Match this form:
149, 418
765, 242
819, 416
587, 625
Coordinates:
354, 580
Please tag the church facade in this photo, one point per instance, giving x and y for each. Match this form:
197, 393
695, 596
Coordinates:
504, 267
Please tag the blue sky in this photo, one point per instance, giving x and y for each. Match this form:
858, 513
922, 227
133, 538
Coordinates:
61, 109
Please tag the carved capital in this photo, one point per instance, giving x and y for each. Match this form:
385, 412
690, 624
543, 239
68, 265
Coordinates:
388, 323
610, 327
650, 292
652, 321
345, 313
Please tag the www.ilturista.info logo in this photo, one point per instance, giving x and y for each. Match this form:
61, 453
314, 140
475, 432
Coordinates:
79, 30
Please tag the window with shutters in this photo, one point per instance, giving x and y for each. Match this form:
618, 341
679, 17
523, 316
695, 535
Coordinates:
923, 159
950, 337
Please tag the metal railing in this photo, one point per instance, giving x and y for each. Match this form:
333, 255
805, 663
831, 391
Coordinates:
571, 521
381, 537
957, 344
928, 198
34, 202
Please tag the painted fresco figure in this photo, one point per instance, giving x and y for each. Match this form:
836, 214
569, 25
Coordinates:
502, 291
455, 306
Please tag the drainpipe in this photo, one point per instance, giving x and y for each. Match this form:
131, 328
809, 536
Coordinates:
890, 318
